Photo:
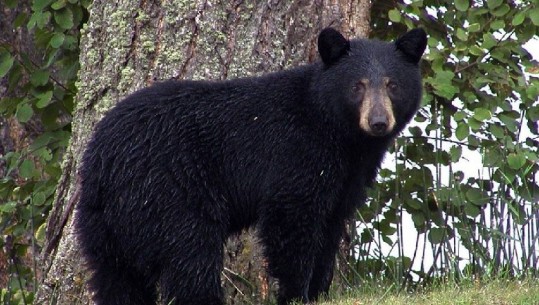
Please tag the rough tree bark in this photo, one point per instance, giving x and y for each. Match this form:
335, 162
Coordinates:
129, 44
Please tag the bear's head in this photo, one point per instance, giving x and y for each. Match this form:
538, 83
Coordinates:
374, 85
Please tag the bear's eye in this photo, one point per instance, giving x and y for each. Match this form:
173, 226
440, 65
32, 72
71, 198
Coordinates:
358, 88
392, 86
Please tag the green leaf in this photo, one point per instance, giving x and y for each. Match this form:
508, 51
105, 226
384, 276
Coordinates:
44, 20
418, 219
462, 5
474, 27
44, 99
462, 131
9, 105
445, 76
71, 42
415, 131
534, 16
41, 141
64, 18
32, 21
27, 169
518, 212
366, 236
474, 124
24, 112
394, 15
40, 233
57, 40
446, 90
473, 141
516, 160
494, 3
462, 35
38, 198
12, 160
489, 41
476, 196
385, 228
475, 50
497, 24
482, 114
533, 114
58, 4
40, 78
6, 62
43, 153
497, 131
472, 210
436, 235
518, 19
387, 240
509, 119
492, 157
20, 20
413, 203
8, 207
501, 10
39, 5
443, 83
507, 174
78, 14
52, 57
532, 92
39, 19
456, 153
460, 115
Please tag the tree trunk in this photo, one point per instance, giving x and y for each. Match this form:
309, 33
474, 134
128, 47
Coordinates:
129, 44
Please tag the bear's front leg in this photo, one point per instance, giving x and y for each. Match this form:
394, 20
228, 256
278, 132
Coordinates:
325, 260
291, 238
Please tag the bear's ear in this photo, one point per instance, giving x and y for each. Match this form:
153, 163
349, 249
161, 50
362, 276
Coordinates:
332, 45
413, 44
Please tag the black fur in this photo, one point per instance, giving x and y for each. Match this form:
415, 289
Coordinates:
332, 45
176, 168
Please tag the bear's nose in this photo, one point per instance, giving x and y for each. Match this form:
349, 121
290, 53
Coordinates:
378, 125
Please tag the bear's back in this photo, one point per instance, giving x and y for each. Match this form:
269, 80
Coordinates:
227, 133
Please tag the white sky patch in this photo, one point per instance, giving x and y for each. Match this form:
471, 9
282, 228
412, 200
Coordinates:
532, 46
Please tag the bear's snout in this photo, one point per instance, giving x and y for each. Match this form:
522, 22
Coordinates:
378, 122
376, 111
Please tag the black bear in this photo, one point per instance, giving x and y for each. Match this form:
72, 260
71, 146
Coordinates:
176, 168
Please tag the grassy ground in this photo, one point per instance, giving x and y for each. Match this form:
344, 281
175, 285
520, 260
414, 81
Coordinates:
499, 292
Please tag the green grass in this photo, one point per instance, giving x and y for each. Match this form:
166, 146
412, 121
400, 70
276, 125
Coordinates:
498, 292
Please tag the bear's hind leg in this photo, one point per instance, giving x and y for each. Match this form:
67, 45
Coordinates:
192, 275
119, 286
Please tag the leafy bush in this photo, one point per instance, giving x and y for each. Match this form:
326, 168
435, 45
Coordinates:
480, 102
